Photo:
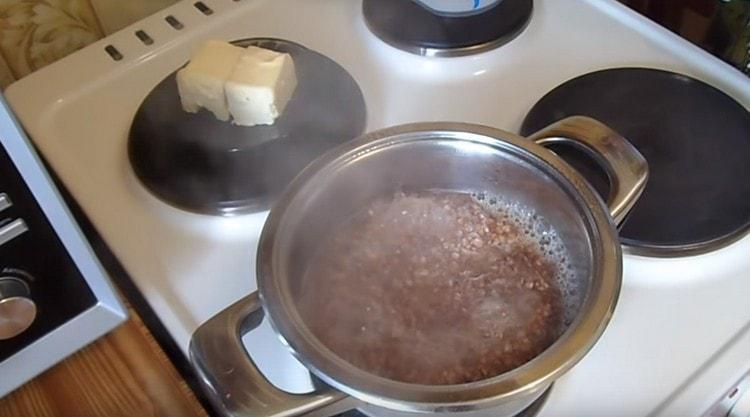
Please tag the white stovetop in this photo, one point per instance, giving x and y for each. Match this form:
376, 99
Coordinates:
673, 314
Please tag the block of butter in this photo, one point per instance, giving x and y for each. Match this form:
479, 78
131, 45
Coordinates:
260, 86
201, 82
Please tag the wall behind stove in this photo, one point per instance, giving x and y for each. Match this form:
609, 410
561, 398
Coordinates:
722, 27
34, 33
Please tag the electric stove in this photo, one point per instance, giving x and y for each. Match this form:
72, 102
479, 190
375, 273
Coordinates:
679, 340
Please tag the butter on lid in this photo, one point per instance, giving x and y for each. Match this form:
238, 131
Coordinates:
201, 82
260, 86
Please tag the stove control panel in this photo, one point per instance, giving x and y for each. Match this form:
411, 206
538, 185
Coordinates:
40, 285
55, 296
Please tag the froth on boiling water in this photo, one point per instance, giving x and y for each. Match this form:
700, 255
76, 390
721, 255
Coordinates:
439, 287
550, 244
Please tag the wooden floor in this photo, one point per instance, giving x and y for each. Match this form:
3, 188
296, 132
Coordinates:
123, 374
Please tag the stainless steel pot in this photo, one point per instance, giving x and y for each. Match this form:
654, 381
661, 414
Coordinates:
450, 156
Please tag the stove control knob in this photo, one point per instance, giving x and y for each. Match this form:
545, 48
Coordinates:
17, 309
742, 407
4, 201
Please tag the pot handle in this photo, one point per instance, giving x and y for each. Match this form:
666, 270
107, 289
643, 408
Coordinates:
234, 384
625, 167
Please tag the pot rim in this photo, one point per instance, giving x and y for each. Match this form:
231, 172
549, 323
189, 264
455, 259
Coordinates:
580, 336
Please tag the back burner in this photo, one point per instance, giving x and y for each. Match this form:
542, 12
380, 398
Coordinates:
414, 26
695, 139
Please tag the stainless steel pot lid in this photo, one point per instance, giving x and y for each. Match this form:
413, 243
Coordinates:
201, 164
696, 140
